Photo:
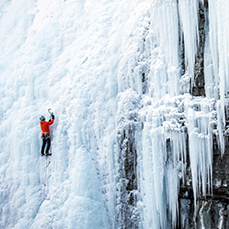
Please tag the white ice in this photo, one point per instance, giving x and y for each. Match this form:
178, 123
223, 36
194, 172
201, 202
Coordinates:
90, 61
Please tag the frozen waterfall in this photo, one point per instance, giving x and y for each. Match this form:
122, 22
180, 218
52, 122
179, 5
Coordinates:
140, 90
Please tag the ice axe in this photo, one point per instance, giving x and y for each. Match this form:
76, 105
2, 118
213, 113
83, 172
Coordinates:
50, 112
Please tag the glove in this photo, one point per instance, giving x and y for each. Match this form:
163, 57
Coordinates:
53, 116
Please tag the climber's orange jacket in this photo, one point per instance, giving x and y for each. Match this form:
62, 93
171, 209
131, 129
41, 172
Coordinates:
45, 126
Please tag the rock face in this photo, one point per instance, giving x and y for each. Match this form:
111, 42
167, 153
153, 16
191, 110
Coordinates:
127, 215
198, 87
212, 211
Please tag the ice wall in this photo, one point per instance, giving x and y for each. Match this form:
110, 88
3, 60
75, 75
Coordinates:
178, 129
128, 132
58, 54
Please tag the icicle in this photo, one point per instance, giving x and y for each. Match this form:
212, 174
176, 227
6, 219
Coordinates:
220, 126
211, 88
189, 20
200, 146
167, 73
213, 43
219, 47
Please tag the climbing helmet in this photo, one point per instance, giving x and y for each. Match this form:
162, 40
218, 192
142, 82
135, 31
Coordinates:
42, 118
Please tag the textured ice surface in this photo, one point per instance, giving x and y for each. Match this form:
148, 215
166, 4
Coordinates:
91, 62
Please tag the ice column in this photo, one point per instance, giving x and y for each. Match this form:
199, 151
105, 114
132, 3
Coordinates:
200, 119
211, 64
163, 162
166, 70
189, 20
219, 48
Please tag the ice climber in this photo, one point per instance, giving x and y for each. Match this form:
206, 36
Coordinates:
46, 134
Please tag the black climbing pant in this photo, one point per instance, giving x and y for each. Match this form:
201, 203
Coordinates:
47, 143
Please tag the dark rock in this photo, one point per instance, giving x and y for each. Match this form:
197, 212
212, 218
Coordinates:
198, 85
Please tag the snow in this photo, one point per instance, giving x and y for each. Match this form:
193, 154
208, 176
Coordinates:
103, 66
